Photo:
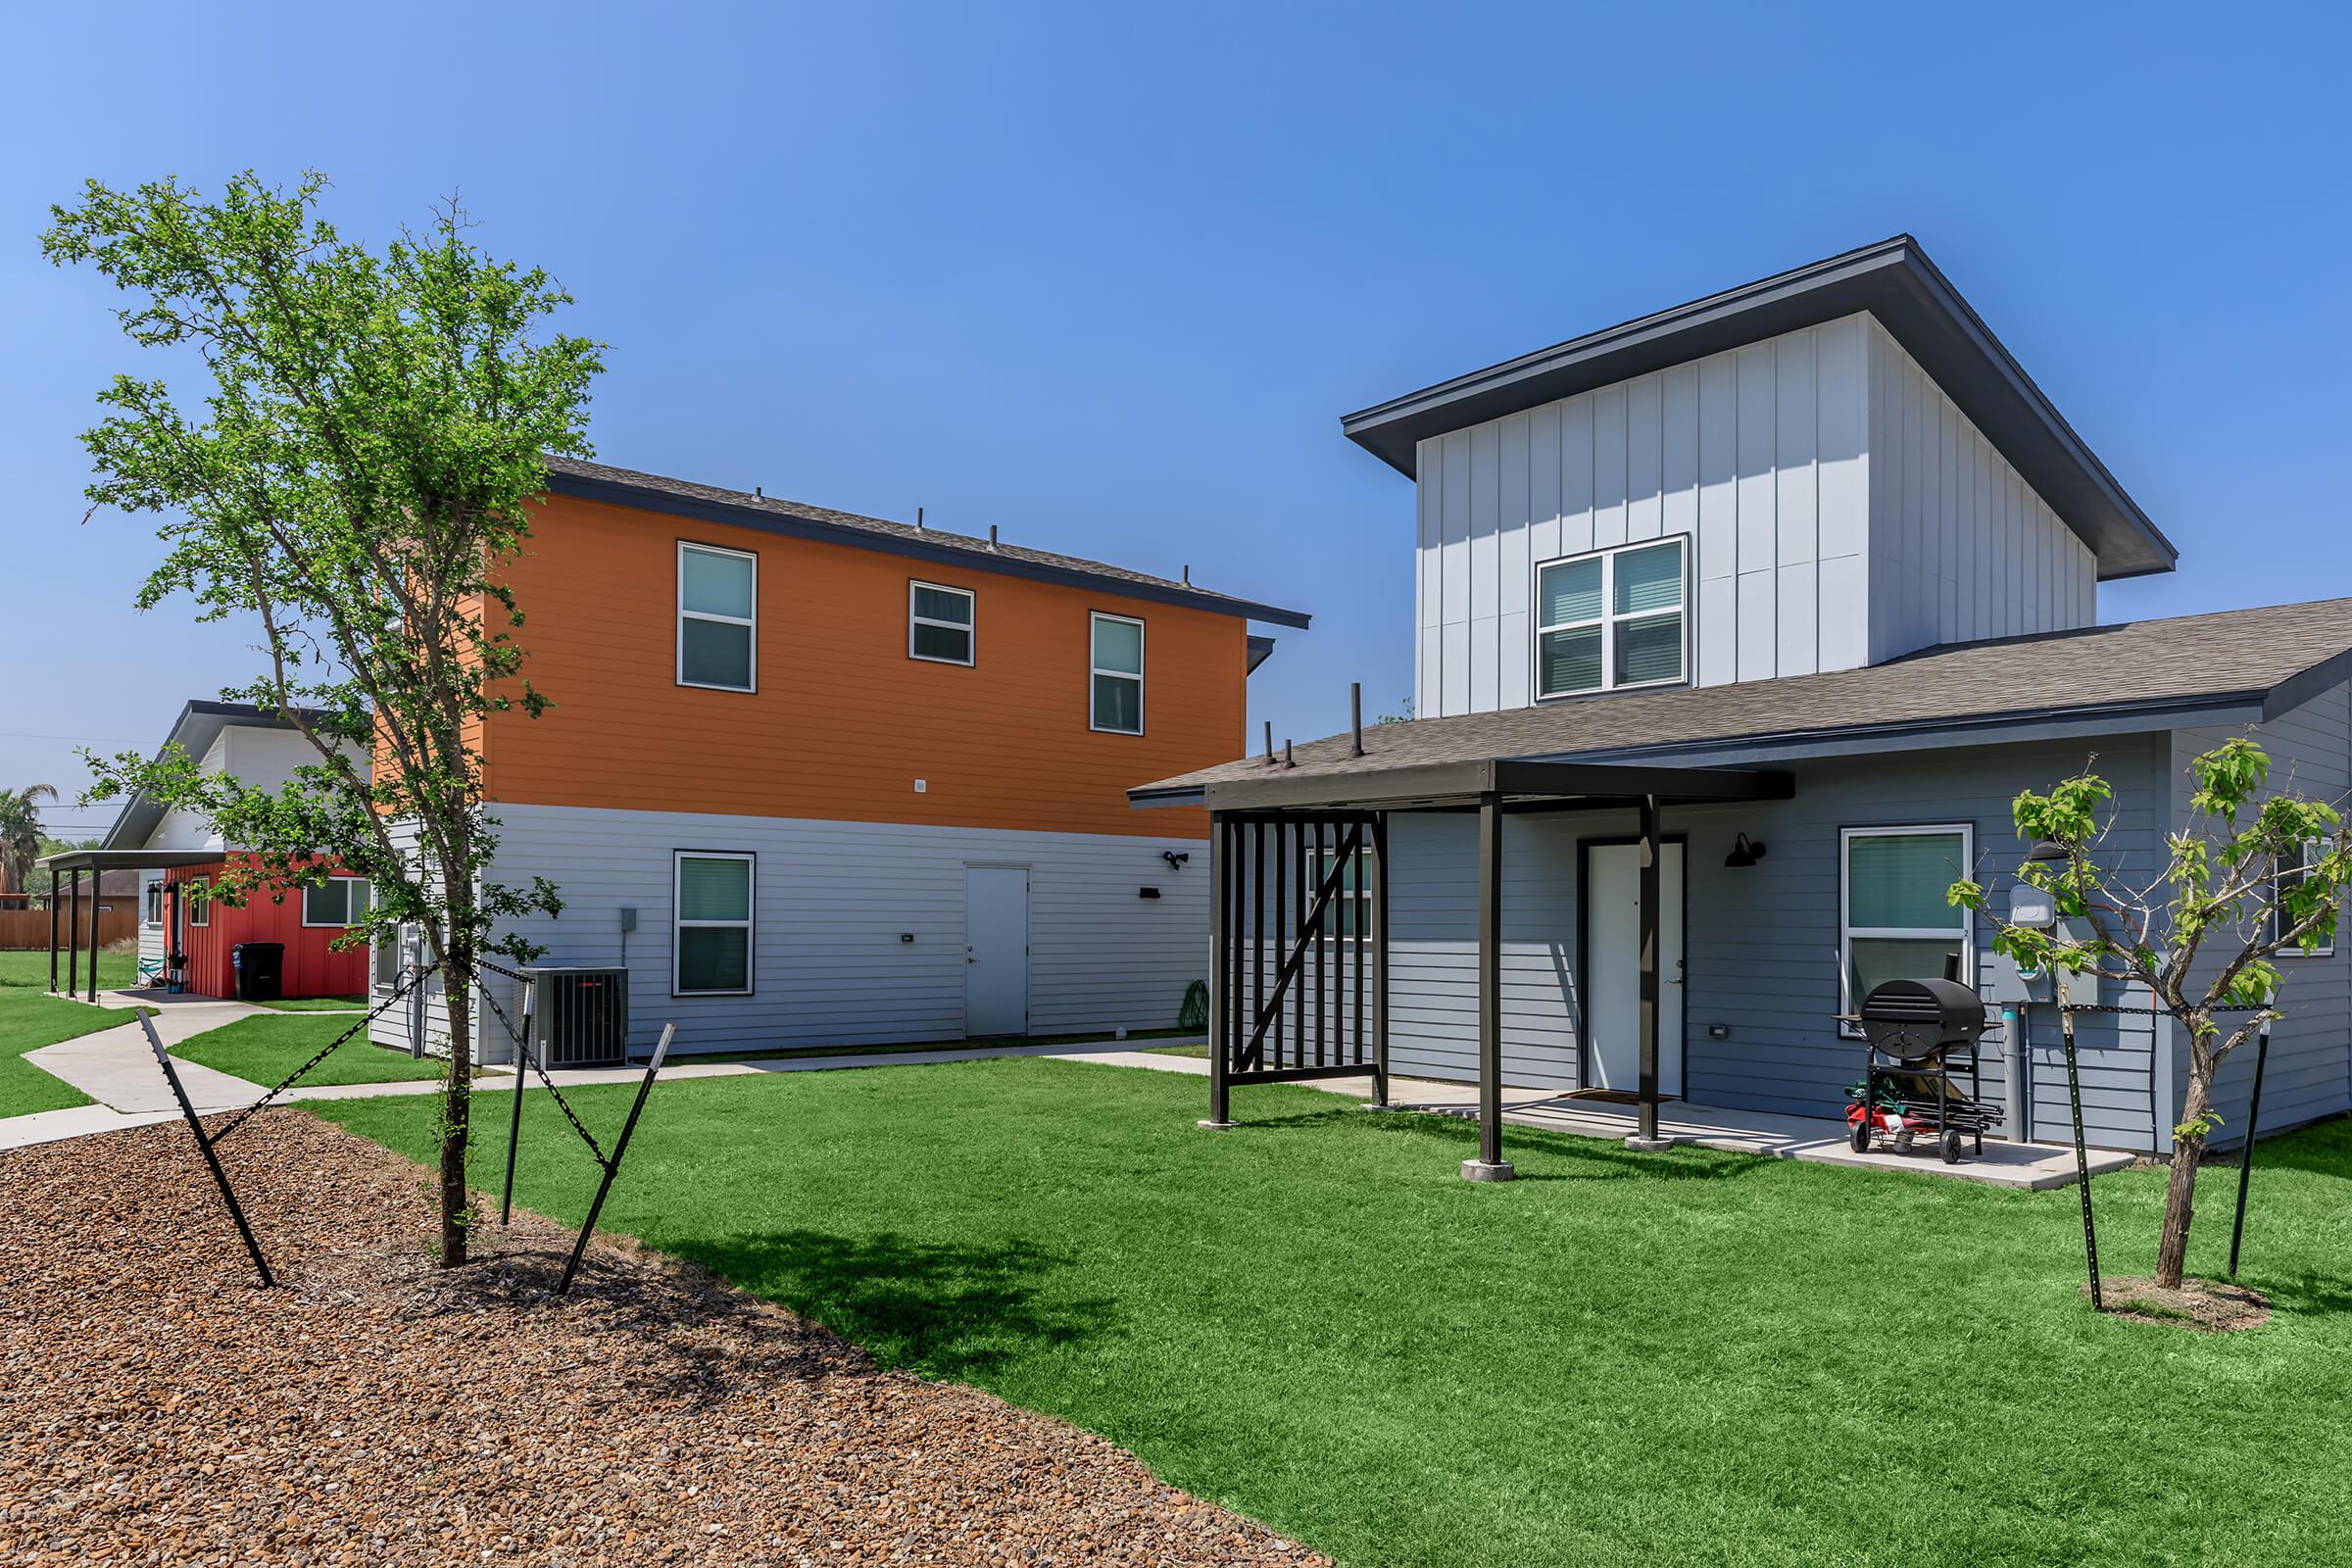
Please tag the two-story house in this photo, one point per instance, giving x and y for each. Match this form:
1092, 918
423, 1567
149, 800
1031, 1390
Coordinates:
816, 778
1784, 593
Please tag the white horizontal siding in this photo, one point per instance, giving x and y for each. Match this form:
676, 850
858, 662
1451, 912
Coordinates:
832, 901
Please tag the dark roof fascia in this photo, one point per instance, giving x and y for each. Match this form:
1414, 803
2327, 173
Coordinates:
1895, 281
1259, 650
1449, 783
649, 498
140, 815
127, 859
2300, 688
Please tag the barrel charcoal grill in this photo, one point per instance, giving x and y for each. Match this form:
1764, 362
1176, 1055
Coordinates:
1920, 1037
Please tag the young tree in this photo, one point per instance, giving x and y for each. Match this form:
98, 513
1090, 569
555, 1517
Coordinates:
2249, 876
362, 465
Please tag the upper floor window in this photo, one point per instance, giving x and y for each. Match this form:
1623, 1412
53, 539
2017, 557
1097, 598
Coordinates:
1119, 671
339, 902
1611, 620
716, 591
939, 623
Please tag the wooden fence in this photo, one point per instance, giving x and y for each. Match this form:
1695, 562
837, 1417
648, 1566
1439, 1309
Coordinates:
118, 921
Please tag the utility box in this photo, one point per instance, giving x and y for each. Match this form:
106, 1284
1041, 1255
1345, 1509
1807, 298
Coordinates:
579, 1016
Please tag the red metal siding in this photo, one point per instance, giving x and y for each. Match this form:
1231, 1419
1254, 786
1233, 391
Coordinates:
311, 970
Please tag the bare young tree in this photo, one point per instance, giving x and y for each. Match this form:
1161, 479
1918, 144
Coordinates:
2248, 877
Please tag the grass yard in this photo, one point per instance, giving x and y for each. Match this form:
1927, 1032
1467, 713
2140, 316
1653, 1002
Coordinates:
1700, 1357
316, 1004
30, 1020
264, 1049
30, 969
993, 1043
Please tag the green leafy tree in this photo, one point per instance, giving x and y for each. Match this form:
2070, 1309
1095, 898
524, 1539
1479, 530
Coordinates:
363, 462
20, 834
2248, 877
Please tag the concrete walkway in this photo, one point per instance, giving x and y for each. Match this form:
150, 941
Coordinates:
1819, 1140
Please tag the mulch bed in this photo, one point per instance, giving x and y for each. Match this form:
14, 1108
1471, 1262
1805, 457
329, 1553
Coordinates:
2209, 1307
158, 1407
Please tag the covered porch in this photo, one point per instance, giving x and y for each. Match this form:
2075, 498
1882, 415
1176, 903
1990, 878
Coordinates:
66, 939
1302, 985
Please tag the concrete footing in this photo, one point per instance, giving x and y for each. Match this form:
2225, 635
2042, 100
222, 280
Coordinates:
1650, 1145
1217, 1126
1480, 1170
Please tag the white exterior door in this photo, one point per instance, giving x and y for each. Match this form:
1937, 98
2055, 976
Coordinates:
1612, 982
995, 952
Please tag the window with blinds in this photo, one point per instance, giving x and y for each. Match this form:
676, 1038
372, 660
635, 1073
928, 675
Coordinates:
1897, 924
711, 949
717, 623
1117, 699
939, 623
1613, 619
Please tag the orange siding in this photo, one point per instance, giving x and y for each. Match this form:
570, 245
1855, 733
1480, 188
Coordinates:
844, 722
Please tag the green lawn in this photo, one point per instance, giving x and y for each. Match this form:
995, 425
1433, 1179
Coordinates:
1697, 1357
997, 1043
30, 969
316, 1004
266, 1050
30, 1020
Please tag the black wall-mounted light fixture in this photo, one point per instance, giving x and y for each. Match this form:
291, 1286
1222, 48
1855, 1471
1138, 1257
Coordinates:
1175, 857
1745, 851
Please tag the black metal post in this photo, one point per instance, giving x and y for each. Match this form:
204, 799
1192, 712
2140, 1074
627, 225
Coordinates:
2245, 1161
1380, 961
73, 936
596, 1206
53, 881
523, 1064
1258, 925
2074, 1095
1321, 939
1646, 1122
1489, 1165
203, 1146
95, 879
1220, 1005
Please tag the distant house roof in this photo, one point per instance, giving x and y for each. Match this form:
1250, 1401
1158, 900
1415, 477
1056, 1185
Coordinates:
2233, 667
1896, 282
199, 724
595, 481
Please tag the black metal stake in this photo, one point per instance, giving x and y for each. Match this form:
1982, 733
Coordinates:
228, 1194
2245, 1163
612, 1165
523, 1066
2074, 1094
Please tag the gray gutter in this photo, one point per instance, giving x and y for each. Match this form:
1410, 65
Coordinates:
1896, 282
651, 498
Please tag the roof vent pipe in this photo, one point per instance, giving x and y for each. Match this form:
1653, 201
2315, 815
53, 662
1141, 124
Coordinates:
992, 536
758, 494
1288, 760
1355, 716
919, 517
1188, 574
1269, 742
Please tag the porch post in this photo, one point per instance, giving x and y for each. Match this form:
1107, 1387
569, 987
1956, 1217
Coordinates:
1489, 1165
1223, 993
54, 881
1645, 1134
72, 935
95, 879
1380, 962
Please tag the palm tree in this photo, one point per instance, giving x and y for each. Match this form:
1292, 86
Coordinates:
21, 833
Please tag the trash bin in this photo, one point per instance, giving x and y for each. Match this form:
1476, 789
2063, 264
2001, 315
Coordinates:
260, 971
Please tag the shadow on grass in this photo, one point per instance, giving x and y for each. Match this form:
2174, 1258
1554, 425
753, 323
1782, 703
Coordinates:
1567, 1156
949, 1309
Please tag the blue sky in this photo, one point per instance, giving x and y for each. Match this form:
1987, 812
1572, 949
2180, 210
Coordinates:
1106, 276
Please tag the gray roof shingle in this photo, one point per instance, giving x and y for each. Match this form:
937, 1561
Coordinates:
601, 481
2151, 665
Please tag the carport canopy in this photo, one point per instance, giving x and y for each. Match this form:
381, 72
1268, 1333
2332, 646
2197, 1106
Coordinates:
75, 862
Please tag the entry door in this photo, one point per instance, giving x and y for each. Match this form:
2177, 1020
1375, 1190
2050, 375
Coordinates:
996, 953
1612, 981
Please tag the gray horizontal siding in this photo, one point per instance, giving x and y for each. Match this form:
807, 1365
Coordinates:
831, 903
2310, 1069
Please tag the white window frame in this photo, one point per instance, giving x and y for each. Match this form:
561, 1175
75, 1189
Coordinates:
749, 923
151, 903
1142, 663
2282, 874
198, 909
345, 924
1964, 923
750, 622
1608, 620
970, 626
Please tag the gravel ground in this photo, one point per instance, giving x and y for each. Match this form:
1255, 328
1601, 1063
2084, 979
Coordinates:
158, 1407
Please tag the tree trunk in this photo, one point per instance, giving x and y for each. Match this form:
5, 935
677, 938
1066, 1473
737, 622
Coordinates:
457, 1105
2181, 1188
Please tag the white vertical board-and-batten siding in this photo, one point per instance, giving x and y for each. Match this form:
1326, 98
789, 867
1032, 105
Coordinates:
1841, 510
831, 901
